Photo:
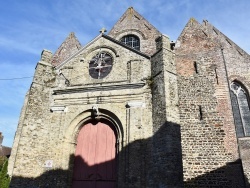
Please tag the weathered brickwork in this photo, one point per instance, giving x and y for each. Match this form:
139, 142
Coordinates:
208, 133
237, 64
169, 106
70, 46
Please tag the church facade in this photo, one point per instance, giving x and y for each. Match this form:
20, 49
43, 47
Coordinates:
133, 109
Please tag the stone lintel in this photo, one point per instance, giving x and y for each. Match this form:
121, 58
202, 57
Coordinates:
135, 104
57, 108
99, 88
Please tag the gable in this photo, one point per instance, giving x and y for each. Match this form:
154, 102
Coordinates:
129, 65
194, 46
67, 48
132, 23
194, 38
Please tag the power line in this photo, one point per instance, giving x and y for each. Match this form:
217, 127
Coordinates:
2, 79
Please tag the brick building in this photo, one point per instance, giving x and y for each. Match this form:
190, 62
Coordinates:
4, 151
133, 109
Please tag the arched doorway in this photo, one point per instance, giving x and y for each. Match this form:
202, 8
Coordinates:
95, 156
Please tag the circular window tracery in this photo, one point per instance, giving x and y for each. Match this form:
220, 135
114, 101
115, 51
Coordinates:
100, 65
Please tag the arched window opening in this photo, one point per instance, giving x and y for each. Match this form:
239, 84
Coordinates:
132, 41
241, 110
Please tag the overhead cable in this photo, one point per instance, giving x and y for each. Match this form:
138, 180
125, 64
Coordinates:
1, 79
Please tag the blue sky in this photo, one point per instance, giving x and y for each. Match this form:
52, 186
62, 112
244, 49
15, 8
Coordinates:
27, 27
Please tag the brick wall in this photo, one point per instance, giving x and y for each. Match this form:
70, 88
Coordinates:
209, 143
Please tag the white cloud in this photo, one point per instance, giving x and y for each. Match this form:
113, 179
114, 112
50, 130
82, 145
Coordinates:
16, 45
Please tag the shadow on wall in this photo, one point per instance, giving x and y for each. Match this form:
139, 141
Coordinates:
97, 176
152, 162
229, 176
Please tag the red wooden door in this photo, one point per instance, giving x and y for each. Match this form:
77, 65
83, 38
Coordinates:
95, 157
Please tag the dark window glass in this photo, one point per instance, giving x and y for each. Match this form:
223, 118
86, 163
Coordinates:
132, 41
237, 116
100, 65
241, 111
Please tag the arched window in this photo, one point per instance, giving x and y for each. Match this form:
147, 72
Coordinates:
132, 41
241, 110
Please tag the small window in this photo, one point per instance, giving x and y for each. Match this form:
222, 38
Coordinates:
241, 110
132, 41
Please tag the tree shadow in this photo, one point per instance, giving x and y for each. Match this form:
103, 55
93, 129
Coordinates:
155, 162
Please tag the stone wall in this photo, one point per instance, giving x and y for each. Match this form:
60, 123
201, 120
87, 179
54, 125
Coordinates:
166, 146
30, 146
55, 111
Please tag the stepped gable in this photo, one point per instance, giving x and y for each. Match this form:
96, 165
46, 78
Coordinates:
132, 23
70, 46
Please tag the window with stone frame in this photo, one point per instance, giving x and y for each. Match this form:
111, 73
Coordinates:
241, 109
132, 41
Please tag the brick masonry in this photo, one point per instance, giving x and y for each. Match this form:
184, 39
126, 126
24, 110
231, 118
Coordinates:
208, 135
